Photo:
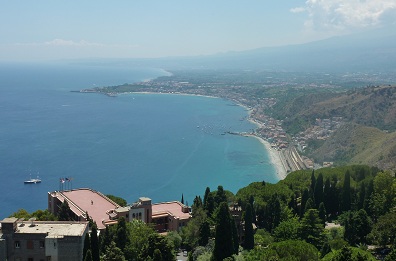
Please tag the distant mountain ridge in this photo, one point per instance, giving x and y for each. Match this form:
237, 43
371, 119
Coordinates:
368, 51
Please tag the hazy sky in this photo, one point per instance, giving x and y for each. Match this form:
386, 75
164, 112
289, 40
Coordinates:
50, 29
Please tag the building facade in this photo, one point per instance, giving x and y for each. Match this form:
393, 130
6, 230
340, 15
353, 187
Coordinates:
41, 240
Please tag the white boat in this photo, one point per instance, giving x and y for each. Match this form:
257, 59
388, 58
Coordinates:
32, 181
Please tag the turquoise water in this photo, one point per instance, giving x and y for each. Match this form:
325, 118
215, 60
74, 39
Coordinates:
133, 145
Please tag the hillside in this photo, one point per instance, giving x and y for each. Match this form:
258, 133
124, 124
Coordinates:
357, 144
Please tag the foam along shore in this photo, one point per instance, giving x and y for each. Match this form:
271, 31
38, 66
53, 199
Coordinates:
275, 158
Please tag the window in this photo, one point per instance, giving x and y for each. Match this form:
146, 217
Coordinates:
30, 259
17, 244
42, 244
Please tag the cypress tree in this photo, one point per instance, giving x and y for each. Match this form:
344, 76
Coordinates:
210, 206
304, 199
121, 234
327, 194
346, 192
64, 213
87, 246
95, 243
251, 201
309, 205
313, 183
235, 236
204, 233
220, 196
318, 193
182, 199
322, 212
88, 256
224, 245
205, 199
249, 236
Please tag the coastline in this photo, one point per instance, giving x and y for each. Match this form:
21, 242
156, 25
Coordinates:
274, 156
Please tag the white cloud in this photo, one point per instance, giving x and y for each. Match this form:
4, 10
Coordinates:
62, 42
297, 10
346, 15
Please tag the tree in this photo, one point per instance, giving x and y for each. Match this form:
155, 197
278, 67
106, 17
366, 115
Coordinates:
224, 245
182, 199
357, 225
88, 256
322, 212
204, 233
220, 196
64, 213
304, 199
87, 246
157, 243
210, 204
273, 212
205, 199
313, 183
121, 234
312, 228
384, 231
318, 193
95, 243
287, 230
105, 239
249, 235
120, 201
138, 234
309, 205
346, 192
113, 253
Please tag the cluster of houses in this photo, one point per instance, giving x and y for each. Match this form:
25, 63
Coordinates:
321, 130
64, 240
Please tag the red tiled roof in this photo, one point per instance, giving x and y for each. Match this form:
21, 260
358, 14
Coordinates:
174, 208
92, 202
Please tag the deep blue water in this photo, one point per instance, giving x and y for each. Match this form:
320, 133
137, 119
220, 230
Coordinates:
133, 145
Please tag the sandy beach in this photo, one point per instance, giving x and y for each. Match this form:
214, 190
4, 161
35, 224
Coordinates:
275, 158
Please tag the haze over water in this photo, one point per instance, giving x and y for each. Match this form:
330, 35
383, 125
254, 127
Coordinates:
133, 145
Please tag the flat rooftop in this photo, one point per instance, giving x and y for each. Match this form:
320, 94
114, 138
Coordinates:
174, 208
96, 204
54, 229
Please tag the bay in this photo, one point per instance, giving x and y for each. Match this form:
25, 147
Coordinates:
154, 145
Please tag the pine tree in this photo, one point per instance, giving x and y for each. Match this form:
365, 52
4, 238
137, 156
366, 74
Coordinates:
249, 235
224, 245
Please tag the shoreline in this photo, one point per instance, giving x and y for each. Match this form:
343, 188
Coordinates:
274, 155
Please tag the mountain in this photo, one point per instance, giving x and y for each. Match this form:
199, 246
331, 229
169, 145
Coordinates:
358, 144
368, 51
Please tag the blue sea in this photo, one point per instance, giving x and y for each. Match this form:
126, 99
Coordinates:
154, 145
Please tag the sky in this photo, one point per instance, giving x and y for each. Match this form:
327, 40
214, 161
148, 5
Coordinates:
53, 29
